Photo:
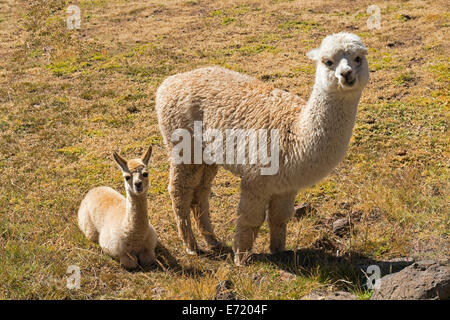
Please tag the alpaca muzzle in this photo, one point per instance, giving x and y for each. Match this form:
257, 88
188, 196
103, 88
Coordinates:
350, 79
138, 186
345, 74
347, 79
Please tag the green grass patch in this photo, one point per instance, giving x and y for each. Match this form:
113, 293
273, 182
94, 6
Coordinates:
297, 24
72, 151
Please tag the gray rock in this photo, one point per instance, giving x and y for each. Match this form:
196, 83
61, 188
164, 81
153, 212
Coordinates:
341, 226
329, 295
286, 276
419, 281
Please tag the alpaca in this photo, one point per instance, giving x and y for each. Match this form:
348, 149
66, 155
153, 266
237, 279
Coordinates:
313, 138
120, 225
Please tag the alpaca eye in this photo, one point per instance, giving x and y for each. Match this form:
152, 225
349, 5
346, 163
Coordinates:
127, 178
329, 63
145, 174
358, 59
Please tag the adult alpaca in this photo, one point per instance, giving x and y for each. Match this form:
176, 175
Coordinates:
313, 137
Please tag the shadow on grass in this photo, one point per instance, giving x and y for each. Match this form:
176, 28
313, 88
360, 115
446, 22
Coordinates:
350, 267
168, 263
221, 253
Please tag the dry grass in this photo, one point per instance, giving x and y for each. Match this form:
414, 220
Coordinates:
69, 98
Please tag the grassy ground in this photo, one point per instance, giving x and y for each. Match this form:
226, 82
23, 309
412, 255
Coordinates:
69, 98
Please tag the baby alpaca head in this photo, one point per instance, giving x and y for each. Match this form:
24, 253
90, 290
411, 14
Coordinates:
135, 172
341, 63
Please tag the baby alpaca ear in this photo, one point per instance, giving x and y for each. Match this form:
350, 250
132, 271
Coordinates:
313, 55
121, 162
146, 157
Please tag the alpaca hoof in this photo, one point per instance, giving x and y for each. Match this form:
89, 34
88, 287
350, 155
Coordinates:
242, 259
238, 262
191, 252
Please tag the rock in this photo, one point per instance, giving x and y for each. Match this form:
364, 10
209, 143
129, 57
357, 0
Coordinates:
329, 295
224, 291
405, 16
286, 276
302, 210
341, 226
395, 44
132, 109
419, 281
326, 244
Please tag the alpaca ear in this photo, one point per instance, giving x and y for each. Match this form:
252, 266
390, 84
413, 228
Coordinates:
364, 49
146, 157
121, 162
313, 55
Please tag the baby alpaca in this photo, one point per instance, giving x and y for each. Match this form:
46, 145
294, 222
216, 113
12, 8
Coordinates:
313, 138
120, 225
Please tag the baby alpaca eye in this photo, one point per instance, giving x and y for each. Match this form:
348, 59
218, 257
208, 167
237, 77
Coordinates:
127, 178
145, 174
329, 63
358, 59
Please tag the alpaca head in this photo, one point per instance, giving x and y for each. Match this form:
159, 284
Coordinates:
341, 63
135, 172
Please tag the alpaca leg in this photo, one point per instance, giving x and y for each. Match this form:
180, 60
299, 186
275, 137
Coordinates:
128, 261
183, 179
92, 233
281, 208
86, 225
251, 215
200, 206
148, 256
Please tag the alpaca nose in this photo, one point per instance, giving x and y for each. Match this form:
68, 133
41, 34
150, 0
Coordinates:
346, 74
138, 184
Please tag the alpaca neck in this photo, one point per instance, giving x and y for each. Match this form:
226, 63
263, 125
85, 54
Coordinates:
323, 130
330, 109
136, 211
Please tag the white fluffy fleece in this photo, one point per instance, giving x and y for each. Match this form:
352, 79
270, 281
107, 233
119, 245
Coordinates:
313, 137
